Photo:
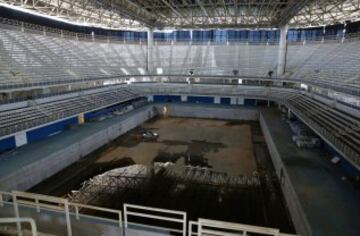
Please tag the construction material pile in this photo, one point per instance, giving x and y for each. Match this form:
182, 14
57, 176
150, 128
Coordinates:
118, 181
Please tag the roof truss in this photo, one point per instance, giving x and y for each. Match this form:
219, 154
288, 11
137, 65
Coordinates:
195, 13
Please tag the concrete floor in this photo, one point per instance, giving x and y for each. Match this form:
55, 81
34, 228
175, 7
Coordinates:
225, 147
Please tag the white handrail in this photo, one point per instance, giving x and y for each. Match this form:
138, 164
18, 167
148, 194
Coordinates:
221, 228
190, 229
37, 198
176, 218
204, 226
21, 220
78, 205
45, 202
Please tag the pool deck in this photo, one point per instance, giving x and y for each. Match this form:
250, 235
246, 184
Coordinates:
23, 159
330, 204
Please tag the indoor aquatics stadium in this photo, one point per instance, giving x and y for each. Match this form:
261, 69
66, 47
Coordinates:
180, 117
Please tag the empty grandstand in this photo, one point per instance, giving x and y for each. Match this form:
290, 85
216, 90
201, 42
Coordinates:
205, 117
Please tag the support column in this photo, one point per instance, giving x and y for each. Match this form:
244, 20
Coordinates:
289, 114
282, 51
20, 139
233, 100
150, 47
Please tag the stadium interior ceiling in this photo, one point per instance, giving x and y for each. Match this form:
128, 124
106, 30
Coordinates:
193, 14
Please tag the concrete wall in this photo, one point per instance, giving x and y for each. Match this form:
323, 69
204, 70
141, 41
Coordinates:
297, 215
30, 175
210, 112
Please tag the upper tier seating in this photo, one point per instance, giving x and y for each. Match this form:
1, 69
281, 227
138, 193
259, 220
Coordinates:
33, 57
248, 60
24, 118
26, 58
328, 61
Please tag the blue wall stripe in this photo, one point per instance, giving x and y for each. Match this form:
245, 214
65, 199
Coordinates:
224, 100
43, 132
7, 144
198, 99
249, 102
167, 98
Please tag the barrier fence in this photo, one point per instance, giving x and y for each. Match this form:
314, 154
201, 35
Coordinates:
140, 218
162, 215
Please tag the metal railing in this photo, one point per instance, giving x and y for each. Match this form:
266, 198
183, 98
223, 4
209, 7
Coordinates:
221, 228
39, 202
351, 89
78, 207
19, 220
203, 227
178, 217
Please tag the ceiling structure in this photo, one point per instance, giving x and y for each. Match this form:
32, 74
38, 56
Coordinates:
202, 14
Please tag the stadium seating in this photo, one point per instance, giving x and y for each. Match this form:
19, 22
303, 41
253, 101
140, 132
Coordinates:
341, 129
33, 57
38, 114
28, 57
327, 61
213, 59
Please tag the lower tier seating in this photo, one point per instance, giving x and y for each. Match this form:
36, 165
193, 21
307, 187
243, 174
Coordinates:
37, 114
